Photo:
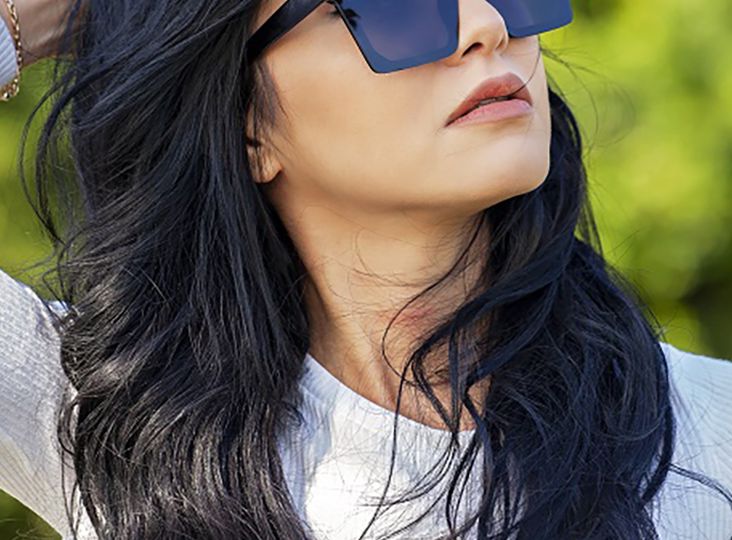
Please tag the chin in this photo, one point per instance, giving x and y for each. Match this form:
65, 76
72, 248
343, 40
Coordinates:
512, 178
508, 189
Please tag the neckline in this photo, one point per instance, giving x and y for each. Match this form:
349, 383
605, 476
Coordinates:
335, 398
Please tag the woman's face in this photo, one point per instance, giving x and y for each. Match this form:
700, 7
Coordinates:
363, 143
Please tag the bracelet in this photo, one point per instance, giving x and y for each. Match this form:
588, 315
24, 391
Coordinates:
10, 90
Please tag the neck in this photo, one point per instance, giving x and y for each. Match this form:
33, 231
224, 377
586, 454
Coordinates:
353, 295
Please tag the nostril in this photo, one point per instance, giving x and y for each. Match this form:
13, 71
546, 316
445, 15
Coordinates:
478, 45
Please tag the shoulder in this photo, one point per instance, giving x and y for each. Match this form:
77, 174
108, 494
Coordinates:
31, 390
701, 399
701, 393
21, 303
698, 367
29, 340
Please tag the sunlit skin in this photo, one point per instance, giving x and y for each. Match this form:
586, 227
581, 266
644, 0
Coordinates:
42, 23
367, 178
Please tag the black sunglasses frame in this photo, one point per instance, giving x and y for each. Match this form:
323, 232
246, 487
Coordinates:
292, 12
287, 16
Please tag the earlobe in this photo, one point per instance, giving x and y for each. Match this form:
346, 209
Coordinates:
264, 165
261, 155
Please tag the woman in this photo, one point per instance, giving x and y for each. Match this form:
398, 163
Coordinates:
314, 283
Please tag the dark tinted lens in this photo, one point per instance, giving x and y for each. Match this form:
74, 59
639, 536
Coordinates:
395, 34
528, 17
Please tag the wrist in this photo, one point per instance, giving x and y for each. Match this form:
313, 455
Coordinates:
41, 27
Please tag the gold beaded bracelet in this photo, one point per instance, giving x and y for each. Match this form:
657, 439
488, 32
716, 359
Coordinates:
11, 89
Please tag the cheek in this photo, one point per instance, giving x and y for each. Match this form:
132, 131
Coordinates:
318, 73
347, 130
485, 165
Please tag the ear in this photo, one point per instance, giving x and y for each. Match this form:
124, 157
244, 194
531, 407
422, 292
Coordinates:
264, 163
262, 156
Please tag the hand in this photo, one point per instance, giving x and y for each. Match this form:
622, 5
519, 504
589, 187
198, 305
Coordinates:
42, 24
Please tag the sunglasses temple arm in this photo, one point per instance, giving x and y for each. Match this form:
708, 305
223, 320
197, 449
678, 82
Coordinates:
287, 16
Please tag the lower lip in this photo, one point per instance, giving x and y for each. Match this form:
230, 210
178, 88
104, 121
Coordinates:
495, 112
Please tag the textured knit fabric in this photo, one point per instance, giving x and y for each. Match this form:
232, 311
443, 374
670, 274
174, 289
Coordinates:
8, 62
337, 460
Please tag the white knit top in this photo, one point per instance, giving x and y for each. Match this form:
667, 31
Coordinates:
338, 460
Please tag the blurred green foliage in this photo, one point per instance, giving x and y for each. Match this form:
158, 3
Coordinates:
652, 87
651, 84
16, 522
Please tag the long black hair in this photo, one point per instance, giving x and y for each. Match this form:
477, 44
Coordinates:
186, 330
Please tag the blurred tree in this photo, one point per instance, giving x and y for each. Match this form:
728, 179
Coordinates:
655, 104
653, 94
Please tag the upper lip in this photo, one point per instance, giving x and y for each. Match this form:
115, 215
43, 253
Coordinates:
508, 84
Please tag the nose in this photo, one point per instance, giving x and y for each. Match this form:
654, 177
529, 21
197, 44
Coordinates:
481, 30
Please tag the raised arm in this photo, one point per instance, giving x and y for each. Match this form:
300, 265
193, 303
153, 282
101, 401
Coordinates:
31, 377
31, 386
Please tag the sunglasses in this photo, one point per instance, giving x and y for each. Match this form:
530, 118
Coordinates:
398, 34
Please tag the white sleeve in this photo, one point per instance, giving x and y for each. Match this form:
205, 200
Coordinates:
31, 386
701, 397
8, 62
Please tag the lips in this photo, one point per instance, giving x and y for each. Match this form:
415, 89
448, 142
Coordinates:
507, 85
